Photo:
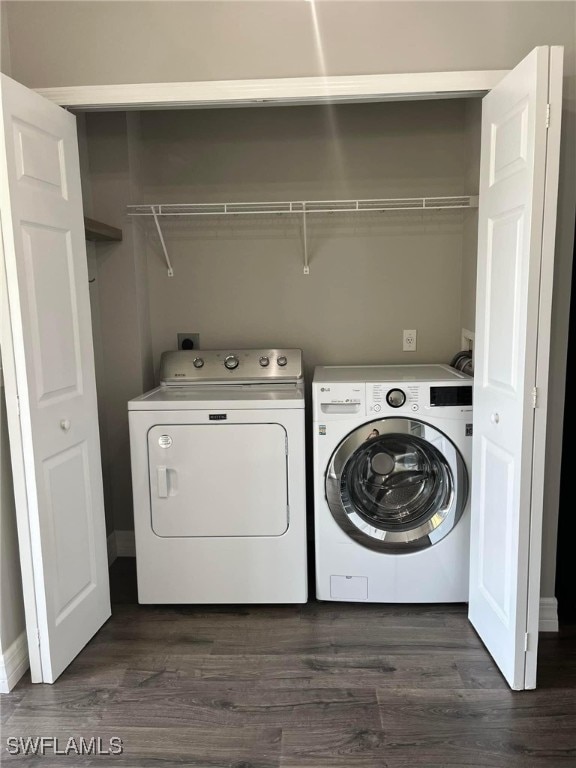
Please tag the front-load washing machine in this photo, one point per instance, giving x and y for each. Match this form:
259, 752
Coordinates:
392, 457
219, 479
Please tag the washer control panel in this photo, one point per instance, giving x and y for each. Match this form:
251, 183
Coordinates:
385, 398
196, 366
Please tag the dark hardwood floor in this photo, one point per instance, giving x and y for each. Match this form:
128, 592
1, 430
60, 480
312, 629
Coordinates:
324, 684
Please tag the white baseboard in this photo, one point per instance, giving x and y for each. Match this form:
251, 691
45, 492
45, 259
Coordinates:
125, 544
13, 663
548, 614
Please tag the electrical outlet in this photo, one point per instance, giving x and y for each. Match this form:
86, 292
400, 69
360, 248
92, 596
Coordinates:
409, 341
188, 341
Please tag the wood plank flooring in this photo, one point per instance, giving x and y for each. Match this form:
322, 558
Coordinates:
324, 685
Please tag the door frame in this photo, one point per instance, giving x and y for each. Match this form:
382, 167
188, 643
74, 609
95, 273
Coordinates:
350, 89
330, 90
276, 92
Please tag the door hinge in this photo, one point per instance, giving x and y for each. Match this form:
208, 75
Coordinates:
526, 639
547, 115
534, 397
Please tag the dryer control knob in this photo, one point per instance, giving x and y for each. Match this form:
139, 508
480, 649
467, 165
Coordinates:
264, 361
198, 362
282, 361
231, 362
395, 398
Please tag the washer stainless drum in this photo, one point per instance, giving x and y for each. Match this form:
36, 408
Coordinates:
396, 485
392, 451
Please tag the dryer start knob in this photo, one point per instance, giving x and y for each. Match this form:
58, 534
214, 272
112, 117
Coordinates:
395, 398
198, 362
231, 362
282, 360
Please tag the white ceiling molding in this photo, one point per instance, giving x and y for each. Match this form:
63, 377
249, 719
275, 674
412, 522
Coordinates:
303, 90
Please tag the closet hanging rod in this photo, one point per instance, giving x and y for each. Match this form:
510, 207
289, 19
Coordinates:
305, 206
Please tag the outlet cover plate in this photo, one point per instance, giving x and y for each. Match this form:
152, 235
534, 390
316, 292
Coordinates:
409, 341
193, 337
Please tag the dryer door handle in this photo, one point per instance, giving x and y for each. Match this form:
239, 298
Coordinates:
162, 476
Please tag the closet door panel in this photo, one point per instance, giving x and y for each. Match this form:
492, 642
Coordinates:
50, 382
518, 180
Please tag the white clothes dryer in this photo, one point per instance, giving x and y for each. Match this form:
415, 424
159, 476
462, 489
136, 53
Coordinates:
219, 479
392, 458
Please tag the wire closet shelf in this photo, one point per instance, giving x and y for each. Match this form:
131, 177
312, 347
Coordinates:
304, 206
300, 207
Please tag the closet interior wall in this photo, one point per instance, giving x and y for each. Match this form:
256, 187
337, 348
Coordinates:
238, 279
119, 299
472, 127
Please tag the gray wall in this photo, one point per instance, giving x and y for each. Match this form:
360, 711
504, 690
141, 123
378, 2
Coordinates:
63, 43
239, 280
67, 43
473, 125
5, 64
120, 300
93, 254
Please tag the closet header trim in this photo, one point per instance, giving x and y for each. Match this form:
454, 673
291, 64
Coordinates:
278, 91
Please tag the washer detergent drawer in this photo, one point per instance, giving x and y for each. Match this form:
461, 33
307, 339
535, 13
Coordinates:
218, 479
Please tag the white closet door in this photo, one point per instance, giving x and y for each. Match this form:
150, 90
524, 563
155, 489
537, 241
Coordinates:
518, 187
50, 383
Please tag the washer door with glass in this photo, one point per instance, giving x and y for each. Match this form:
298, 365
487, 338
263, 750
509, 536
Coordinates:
396, 485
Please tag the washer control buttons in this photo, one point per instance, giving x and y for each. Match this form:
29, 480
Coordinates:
198, 362
282, 361
395, 398
377, 407
231, 362
264, 361
415, 406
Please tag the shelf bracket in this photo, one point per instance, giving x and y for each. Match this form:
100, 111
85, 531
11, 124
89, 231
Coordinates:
162, 243
306, 269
